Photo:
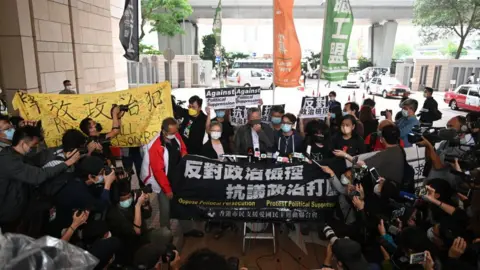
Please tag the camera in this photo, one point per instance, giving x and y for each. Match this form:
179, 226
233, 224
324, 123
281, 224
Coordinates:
146, 189
384, 113
329, 234
123, 108
431, 134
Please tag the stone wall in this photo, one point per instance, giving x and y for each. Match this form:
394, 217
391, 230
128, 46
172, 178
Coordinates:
44, 42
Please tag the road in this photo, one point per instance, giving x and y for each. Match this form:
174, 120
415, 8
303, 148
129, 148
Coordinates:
292, 98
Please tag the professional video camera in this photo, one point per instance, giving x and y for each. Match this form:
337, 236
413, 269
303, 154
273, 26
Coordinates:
146, 189
469, 159
432, 134
359, 172
120, 173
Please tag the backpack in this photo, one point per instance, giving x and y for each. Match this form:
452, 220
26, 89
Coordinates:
408, 181
437, 115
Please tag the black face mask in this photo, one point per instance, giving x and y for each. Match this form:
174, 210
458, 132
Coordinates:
98, 127
319, 138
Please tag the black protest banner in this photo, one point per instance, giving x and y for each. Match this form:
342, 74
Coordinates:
266, 109
220, 98
209, 189
128, 33
248, 96
239, 115
314, 107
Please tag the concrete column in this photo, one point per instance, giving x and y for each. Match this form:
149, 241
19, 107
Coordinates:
181, 44
18, 63
381, 42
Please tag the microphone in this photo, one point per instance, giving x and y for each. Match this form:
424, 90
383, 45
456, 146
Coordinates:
250, 154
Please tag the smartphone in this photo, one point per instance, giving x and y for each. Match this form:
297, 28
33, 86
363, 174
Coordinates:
417, 258
374, 174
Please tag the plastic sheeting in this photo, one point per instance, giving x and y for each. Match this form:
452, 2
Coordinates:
47, 253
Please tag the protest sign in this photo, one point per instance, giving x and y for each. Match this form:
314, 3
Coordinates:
314, 107
220, 98
147, 105
208, 189
239, 116
248, 96
266, 117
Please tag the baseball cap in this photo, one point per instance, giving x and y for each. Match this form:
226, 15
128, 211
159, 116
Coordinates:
350, 254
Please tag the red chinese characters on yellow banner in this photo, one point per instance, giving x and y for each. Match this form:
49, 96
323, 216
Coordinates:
287, 53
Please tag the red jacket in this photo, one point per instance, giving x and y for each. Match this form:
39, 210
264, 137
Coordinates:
158, 156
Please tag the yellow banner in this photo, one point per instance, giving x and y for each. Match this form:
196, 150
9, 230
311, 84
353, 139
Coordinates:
148, 106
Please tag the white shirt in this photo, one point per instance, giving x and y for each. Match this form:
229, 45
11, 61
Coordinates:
255, 140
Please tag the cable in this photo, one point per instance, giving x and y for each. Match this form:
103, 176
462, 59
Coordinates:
295, 259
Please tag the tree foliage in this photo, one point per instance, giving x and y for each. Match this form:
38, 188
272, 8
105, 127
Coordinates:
441, 18
164, 16
208, 51
149, 50
314, 59
450, 50
230, 57
402, 51
364, 62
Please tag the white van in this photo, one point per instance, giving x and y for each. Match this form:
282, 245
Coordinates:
250, 77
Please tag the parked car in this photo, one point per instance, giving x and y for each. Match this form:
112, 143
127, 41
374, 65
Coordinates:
386, 86
464, 97
250, 77
366, 73
353, 80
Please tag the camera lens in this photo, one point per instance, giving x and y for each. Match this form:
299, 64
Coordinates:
330, 234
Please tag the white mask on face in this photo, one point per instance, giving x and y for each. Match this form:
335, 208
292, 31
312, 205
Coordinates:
171, 136
68, 87
344, 180
216, 135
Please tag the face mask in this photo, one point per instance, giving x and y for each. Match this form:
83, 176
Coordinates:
216, 135
9, 133
126, 203
319, 138
286, 128
333, 116
344, 180
424, 94
98, 127
405, 113
171, 136
69, 87
346, 130
276, 120
220, 114
345, 113
376, 190
192, 112
100, 180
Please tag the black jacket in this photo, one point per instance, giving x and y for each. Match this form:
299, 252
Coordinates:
194, 140
16, 179
243, 139
208, 151
369, 127
429, 116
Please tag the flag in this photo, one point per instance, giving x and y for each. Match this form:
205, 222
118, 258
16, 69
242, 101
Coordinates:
336, 38
286, 48
128, 34
217, 29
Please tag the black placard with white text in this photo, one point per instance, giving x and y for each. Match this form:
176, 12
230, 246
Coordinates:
238, 116
314, 107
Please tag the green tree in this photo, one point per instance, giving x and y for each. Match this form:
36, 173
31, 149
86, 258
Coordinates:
364, 62
147, 49
402, 51
164, 16
230, 57
450, 50
441, 18
208, 51
314, 59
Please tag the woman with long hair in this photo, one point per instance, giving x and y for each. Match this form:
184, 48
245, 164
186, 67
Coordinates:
347, 140
370, 124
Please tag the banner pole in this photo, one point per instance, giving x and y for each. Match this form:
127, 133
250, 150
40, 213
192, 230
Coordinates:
325, 2
273, 54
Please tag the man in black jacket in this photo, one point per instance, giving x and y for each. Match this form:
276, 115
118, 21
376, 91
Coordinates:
18, 177
254, 136
193, 126
429, 113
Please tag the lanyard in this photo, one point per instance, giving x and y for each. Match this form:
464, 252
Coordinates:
286, 143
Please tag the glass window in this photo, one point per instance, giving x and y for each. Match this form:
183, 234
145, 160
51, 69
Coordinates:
463, 90
473, 93
379, 81
256, 74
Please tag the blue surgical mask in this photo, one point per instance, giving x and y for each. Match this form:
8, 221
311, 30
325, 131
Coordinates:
286, 128
345, 113
333, 116
220, 114
100, 180
9, 133
405, 113
126, 203
276, 120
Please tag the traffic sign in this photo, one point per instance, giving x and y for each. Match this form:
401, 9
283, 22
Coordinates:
254, 54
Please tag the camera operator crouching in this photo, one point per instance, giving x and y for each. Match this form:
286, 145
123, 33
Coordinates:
94, 131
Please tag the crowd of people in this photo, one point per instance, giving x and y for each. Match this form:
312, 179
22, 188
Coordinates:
77, 193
